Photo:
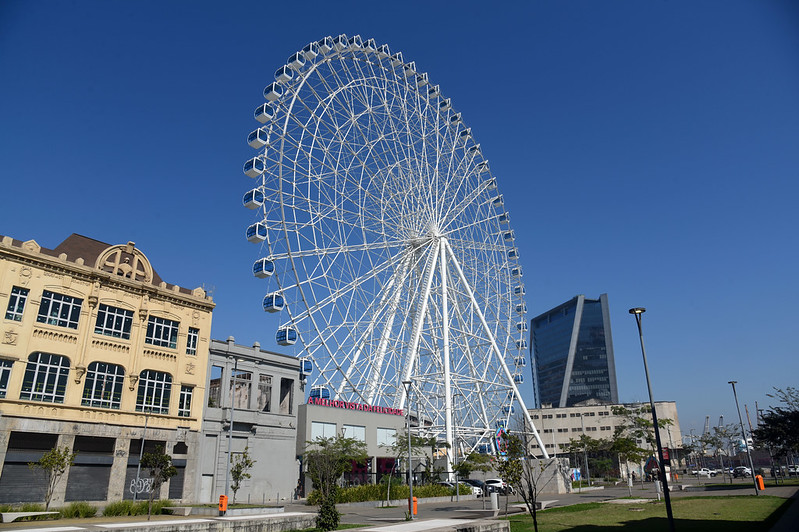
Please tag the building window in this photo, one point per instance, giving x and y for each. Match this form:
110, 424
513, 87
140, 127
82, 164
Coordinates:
320, 429
154, 390
5, 374
356, 432
286, 396
113, 321
386, 437
265, 393
215, 387
103, 388
162, 332
243, 389
184, 405
45, 378
58, 309
547, 431
16, 303
191, 341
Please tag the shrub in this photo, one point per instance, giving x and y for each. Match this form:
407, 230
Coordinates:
328, 517
78, 509
134, 508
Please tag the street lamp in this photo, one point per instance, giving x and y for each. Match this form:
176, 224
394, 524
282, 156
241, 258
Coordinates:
407, 385
637, 312
743, 433
585, 450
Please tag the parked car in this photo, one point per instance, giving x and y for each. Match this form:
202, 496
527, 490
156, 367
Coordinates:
499, 485
793, 470
705, 472
479, 487
741, 471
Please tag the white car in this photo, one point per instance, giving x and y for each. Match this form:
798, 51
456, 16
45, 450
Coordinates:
499, 485
705, 472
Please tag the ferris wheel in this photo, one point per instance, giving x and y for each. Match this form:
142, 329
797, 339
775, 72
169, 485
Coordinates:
386, 247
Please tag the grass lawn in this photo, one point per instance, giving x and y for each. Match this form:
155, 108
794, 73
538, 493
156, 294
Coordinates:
710, 514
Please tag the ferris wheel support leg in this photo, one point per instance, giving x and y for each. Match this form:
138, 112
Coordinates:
410, 358
447, 377
494, 347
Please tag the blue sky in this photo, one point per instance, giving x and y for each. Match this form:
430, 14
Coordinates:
648, 150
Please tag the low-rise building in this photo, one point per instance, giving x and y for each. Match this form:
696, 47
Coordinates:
97, 354
260, 390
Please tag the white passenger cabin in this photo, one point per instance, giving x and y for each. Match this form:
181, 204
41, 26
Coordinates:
253, 199
522, 326
519, 290
355, 43
296, 61
325, 45
509, 236
433, 92
310, 51
258, 138
340, 43
369, 46
396, 60
491, 184
520, 361
254, 167
306, 367
518, 379
286, 336
503, 218
465, 135
284, 74
521, 308
383, 51
508, 409
521, 344
455, 119
273, 91
422, 80
497, 201
444, 105
482, 167
256, 232
513, 253
264, 113
274, 302
263, 268
516, 271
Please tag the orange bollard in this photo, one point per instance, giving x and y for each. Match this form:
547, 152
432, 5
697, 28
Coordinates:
760, 484
414, 506
223, 503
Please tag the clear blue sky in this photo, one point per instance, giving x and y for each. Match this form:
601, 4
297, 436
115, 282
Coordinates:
649, 150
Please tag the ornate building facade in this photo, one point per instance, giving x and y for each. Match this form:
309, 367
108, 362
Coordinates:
100, 355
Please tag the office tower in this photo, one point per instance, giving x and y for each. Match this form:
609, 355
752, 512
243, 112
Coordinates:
573, 353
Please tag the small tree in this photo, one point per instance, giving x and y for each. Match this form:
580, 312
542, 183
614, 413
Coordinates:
161, 469
327, 459
240, 470
53, 464
473, 462
779, 427
509, 466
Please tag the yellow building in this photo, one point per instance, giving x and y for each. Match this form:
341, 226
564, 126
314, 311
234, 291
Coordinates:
99, 354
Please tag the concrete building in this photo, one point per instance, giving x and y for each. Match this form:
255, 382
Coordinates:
97, 353
378, 427
573, 353
263, 389
596, 419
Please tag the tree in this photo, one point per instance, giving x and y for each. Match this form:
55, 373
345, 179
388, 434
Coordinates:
535, 474
637, 424
326, 460
779, 427
717, 440
509, 466
399, 449
53, 464
160, 469
473, 462
240, 470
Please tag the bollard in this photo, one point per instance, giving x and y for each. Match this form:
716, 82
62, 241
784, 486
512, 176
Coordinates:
414, 506
494, 501
222, 504
760, 484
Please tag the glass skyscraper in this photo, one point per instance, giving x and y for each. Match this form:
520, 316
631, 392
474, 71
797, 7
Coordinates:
573, 353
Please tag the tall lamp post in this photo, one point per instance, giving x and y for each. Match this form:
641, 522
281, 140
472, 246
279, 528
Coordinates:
637, 312
407, 385
743, 434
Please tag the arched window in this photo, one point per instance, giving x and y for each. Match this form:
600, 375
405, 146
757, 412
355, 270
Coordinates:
45, 378
103, 388
154, 390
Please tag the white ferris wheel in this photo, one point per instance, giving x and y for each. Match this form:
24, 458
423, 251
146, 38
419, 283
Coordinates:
385, 242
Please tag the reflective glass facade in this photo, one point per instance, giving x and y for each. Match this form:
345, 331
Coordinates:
573, 353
